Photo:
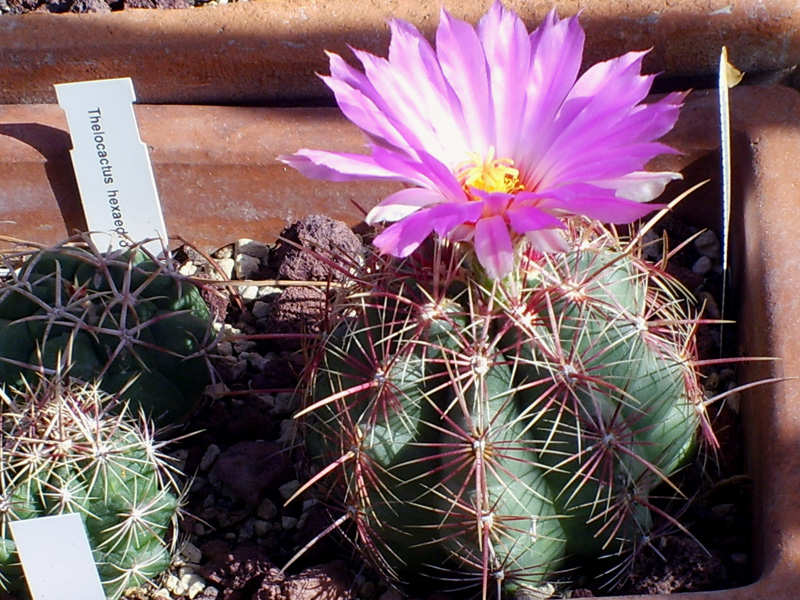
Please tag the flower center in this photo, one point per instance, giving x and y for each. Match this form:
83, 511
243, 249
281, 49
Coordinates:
490, 174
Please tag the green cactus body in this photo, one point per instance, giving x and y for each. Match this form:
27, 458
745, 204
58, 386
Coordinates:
124, 319
474, 435
62, 452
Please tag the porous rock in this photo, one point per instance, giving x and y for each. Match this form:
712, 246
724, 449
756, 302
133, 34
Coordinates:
250, 468
320, 239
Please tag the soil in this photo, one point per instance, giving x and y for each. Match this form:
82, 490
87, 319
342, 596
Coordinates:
246, 457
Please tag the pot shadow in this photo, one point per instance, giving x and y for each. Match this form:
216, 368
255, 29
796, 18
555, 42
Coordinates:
54, 144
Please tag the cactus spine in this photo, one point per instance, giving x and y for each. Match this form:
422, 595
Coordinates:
482, 434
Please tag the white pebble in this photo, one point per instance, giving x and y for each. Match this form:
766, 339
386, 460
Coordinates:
174, 585
227, 265
224, 252
249, 292
193, 584
252, 248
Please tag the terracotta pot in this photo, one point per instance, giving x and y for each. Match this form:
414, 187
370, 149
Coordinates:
259, 52
218, 179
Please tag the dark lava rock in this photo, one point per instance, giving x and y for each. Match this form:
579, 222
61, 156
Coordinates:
282, 372
90, 6
298, 309
239, 571
322, 239
331, 581
166, 4
249, 469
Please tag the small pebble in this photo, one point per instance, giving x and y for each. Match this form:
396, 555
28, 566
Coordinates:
708, 245
248, 292
252, 248
224, 252
289, 488
227, 265
702, 266
247, 531
224, 348
267, 509
262, 527
191, 553
188, 269
288, 523
289, 428
174, 585
191, 584
740, 558
286, 403
390, 594
210, 457
260, 309
255, 359
246, 267
210, 593
366, 591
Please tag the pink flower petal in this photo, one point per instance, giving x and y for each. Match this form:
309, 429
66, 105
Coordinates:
639, 186
401, 204
333, 166
464, 66
531, 218
547, 240
493, 247
595, 203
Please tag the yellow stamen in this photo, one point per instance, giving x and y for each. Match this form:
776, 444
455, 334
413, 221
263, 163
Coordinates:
490, 175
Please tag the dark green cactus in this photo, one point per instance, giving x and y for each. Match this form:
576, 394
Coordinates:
125, 319
63, 452
486, 435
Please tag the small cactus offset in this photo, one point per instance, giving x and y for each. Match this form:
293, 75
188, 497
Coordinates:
483, 434
63, 452
125, 319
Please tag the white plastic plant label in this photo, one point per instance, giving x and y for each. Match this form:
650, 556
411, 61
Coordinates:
111, 163
57, 559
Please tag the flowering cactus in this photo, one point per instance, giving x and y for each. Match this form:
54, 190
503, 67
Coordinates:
63, 452
508, 393
123, 319
472, 435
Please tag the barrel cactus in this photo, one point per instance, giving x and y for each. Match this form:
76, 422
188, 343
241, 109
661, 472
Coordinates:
124, 319
483, 433
62, 451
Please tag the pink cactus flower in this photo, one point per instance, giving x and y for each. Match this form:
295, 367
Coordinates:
496, 135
